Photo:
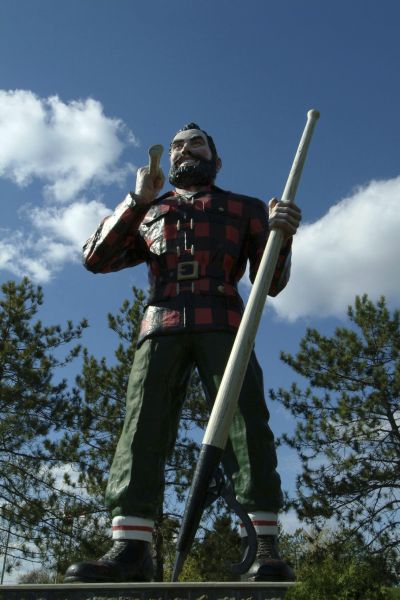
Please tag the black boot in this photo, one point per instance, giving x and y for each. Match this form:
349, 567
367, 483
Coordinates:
268, 565
127, 560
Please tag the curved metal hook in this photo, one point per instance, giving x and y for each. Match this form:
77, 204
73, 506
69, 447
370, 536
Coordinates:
221, 486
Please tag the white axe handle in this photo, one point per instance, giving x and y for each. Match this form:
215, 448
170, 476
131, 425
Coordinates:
155, 153
221, 417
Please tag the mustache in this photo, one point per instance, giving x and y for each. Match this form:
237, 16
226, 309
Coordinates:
187, 155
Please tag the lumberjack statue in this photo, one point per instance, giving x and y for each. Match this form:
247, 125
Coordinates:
196, 241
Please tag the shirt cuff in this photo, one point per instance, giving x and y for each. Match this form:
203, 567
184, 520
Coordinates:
132, 200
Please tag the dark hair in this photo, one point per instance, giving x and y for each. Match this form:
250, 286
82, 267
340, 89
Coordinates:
209, 138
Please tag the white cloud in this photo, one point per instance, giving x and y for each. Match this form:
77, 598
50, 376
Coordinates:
354, 249
73, 223
57, 237
35, 256
8, 249
66, 145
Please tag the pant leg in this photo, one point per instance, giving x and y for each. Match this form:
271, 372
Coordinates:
250, 456
156, 391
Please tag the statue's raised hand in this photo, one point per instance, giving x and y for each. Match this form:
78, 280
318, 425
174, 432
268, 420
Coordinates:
150, 179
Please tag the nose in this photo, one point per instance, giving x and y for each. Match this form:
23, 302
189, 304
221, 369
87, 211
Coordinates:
185, 148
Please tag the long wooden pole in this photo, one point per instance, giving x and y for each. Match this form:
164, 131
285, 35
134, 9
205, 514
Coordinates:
226, 401
220, 421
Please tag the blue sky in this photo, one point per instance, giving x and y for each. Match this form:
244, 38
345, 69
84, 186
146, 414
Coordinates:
86, 86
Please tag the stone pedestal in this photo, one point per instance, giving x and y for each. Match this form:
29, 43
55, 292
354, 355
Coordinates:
147, 591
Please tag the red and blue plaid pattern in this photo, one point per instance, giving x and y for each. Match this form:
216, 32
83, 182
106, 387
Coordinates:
196, 249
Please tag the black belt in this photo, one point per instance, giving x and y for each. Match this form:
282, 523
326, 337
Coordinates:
200, 286
190, 269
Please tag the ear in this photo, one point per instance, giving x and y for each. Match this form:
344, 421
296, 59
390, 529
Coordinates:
219, 163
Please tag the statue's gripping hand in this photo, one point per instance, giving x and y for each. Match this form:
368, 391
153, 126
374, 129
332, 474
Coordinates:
148, 186
285, 216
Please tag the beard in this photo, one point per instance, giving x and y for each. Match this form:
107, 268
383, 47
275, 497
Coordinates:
202, 173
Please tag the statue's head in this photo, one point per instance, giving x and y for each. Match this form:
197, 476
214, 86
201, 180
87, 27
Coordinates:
193, 157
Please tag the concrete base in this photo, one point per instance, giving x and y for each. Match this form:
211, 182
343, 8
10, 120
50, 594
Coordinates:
147, 591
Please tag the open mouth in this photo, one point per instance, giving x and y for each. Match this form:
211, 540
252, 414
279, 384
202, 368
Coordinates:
186, 162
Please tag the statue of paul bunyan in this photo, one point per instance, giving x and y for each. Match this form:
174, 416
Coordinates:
196, 240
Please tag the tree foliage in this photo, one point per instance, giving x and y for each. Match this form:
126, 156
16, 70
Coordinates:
339, 579
329, 568
36, 576
218, 550
348, 424
34, 407
212, 553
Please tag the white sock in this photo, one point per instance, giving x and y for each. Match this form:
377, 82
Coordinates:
132, 528
265, 523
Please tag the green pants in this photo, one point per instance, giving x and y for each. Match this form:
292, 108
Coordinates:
156, 391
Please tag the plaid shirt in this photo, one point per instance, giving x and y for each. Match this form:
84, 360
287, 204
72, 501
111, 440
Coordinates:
196, 248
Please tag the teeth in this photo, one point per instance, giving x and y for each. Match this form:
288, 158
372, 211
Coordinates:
188, 162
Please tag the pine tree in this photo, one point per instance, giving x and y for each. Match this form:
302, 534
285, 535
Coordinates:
34, 407
348, 425
212, 554
328, 567
218, 550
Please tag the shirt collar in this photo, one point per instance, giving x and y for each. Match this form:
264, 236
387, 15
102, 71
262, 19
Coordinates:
172, 193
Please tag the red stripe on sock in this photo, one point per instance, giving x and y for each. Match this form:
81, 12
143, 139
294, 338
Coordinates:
132, 528
262, 523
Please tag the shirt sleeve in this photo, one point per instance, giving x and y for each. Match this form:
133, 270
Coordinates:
116, 243
258, 236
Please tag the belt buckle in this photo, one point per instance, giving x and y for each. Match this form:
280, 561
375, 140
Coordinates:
188, 270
